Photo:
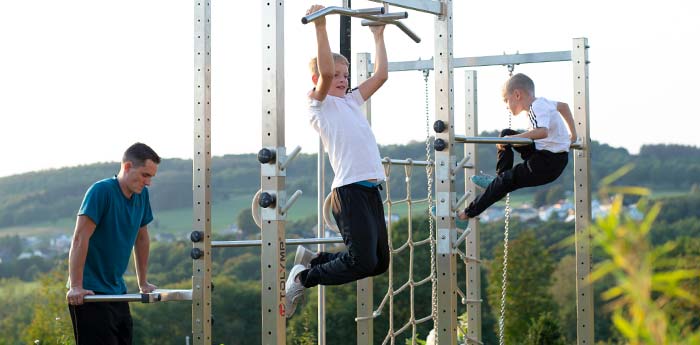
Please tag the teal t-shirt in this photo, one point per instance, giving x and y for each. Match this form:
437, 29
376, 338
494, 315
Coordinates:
118, 221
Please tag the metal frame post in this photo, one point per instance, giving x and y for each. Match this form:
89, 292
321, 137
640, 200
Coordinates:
272, 177
445, 196
365, 290
582, 195
201, 176
321, 233
473, 242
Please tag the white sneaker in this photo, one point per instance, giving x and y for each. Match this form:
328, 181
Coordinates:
294, 291
304, 256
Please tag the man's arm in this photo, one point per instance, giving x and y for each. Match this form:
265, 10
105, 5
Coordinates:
565, 112
141, 250
324, 58
381, 66
84, 228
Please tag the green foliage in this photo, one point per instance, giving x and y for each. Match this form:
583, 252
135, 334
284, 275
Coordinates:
544, 331
246, 224
17, 311
51, 322
529, 271
646, 279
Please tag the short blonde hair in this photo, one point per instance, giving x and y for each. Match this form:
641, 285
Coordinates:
337, 58
519, 82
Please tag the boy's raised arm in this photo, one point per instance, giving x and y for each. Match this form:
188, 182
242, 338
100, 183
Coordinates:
326, 66
381, 65
565, 112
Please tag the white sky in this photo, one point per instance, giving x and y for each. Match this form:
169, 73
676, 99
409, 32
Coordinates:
82, 80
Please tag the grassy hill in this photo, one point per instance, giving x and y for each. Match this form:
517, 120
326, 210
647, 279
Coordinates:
45, 202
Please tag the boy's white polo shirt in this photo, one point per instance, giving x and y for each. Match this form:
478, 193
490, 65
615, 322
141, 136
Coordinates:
347, 137
544, 113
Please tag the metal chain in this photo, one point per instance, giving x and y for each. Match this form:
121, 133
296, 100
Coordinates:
429, 175
502, 318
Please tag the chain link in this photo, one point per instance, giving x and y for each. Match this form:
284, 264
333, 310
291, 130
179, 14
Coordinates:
502, 318
504, 283
429, 175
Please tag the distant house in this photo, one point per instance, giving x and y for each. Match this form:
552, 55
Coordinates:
27, 255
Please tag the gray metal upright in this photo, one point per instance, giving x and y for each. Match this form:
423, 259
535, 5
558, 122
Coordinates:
365, 290
473, 245
582, 195
272, 176
444, 180
201, 176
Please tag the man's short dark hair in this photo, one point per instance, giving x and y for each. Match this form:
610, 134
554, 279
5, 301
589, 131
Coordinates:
138, 154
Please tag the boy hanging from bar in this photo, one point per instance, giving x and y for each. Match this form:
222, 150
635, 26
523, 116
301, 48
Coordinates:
335, 113
543, 160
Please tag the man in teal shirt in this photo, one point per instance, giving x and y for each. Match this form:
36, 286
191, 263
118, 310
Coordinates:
112, 220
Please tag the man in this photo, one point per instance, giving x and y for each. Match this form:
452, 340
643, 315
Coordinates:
112, 219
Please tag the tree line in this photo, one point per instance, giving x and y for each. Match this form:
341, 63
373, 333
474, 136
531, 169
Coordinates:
45, 196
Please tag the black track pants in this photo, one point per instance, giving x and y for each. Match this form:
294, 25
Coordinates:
538, 167
359, 213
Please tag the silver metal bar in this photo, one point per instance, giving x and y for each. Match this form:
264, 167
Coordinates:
290, 202
426, 6
461, 165
321, 233
582, 197
201, 175
388, 160
273, 254
512, 59
161, 295
289, 241
444, 183
398, 24
133, 297
483, 61
497, 140
385, 18
472, 268
492, 140
461, 200
359, 13
290, 157
364, 328
462, 237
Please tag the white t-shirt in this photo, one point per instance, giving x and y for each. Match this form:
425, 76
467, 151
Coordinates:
544, 114
348, 138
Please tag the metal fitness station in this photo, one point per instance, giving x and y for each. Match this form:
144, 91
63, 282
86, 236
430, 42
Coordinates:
447, 243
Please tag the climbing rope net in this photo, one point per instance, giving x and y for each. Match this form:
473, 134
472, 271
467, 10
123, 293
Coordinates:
411, 244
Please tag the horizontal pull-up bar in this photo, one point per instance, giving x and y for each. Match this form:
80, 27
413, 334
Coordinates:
398, 24
388, 160
365, 13
164, 295
289, 241
372, 16
496, 140
483, 61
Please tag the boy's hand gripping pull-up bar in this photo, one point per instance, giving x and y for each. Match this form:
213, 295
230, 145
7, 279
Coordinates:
371, 16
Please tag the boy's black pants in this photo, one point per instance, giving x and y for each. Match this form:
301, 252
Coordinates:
102, 323
359, 213
538, 167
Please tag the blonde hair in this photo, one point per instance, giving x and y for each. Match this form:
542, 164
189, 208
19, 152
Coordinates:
519, 82
337, 58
